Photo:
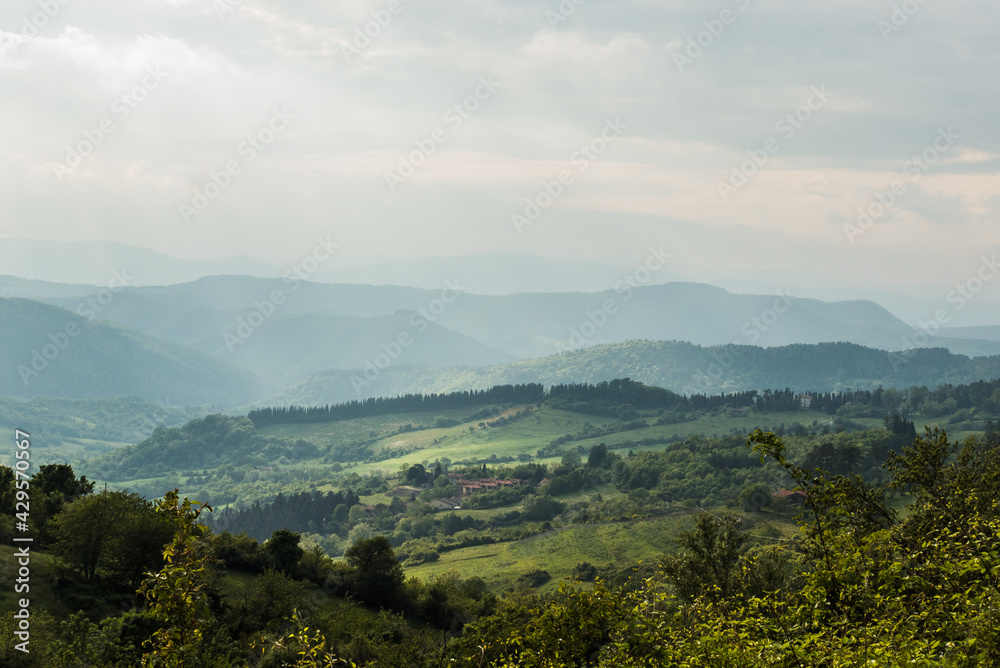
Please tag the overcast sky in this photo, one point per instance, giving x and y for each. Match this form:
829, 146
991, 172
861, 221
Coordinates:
200, 76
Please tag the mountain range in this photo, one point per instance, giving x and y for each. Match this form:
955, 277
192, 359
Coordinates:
238, 340
489, 273
679, 366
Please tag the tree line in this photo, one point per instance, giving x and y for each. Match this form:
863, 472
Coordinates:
620, 398
313, 512
862, 583
415, 403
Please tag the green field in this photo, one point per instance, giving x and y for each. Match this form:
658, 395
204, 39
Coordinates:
54, 449
518, 440
524, 436
607, 543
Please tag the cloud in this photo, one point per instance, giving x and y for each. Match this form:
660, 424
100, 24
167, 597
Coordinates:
561, 80
936, 207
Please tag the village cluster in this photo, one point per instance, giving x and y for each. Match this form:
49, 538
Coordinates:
468, 487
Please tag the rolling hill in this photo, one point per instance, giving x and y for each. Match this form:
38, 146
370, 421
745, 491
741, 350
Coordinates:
50, 351
682, 367
289, 340
525, 325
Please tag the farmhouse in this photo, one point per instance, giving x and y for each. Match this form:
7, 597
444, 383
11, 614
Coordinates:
796, 496
445, 504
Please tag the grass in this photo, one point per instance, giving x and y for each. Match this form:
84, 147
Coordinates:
55, 449
343, 432
43, 594
524, 436
521, 438
607, 543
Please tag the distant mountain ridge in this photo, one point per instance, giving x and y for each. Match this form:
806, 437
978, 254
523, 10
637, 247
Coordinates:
519, 326
92, 263
492, 273
682, 367
49, 351
234, 340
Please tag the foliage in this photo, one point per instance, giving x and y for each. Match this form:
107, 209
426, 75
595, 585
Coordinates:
209, 442
713, 561
283, 550
755, 497
529, 393
304, 511
541, 508
115, 420
860, 584
377, 577
871, 589
116, 533
179, 594
52, 487
813, 368
302, 647
262, 604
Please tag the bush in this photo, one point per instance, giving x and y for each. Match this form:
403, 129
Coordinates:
533, 579
541, 508
585, 571
239, 552
509, 518
422, 556
756, 496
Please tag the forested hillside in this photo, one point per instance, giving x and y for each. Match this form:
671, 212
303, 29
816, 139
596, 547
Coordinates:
229, 342
341, 326
243, 460
682, 367
895, 565
48, 351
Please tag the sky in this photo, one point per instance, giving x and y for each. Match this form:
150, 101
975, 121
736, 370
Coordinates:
744, 136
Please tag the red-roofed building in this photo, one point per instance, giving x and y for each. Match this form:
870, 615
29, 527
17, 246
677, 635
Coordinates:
796, 496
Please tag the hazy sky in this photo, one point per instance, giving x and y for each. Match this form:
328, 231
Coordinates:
681, 91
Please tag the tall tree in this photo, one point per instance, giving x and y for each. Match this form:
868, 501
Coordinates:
377, 576
179, 594
710, 564
284, 551
117, 532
